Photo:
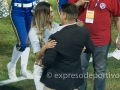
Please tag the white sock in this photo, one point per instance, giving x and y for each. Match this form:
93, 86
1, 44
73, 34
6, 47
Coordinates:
24, 59
37, 75
15, 57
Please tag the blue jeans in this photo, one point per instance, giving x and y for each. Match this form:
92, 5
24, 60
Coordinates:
99, 65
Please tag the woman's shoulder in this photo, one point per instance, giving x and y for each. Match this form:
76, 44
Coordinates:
55, 27
55, 24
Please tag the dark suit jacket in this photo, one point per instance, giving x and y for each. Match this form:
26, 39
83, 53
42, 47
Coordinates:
62, 64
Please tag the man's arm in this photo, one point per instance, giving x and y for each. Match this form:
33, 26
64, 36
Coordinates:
117, 22
50, 55
89, 45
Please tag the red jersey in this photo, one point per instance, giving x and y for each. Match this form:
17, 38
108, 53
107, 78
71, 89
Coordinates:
100, 29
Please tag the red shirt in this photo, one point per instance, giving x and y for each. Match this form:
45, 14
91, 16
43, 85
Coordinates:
100, 30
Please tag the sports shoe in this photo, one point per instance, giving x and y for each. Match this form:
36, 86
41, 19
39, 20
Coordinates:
27, 74
11, 73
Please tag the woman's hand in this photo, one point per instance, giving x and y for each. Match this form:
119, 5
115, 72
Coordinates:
38, 62
50, 44
80, 23
83, 49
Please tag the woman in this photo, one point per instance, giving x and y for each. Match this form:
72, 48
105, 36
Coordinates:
42, 27
21, 17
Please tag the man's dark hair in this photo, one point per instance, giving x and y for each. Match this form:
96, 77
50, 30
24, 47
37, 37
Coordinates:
71, 10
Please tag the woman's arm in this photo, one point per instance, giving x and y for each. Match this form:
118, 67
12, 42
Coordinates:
48, 44
40, 53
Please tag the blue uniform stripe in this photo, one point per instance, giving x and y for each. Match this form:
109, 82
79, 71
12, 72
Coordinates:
15, 30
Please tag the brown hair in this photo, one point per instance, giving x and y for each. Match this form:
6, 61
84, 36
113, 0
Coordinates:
41, 19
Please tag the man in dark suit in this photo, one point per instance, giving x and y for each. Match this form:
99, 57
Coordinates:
62, 63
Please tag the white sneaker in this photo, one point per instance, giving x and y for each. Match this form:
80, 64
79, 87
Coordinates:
11, 73
27, 74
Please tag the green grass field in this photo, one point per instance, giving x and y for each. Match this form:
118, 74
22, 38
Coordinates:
8, 40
